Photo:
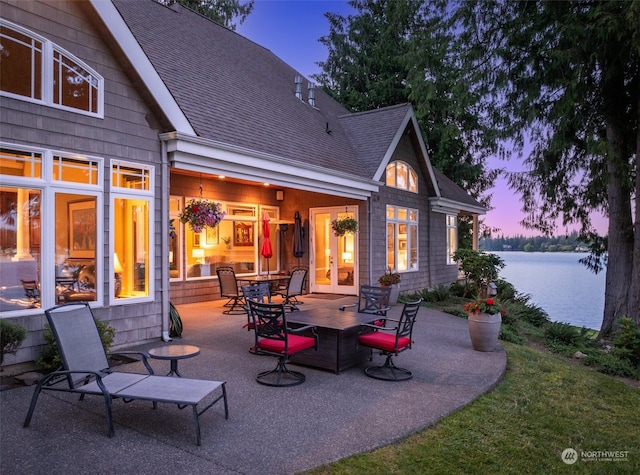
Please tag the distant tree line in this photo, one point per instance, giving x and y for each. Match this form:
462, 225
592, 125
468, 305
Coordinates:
567, 243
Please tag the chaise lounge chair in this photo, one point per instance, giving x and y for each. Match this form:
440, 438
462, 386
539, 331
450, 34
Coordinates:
85, 370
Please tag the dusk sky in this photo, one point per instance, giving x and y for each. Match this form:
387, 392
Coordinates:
291, 29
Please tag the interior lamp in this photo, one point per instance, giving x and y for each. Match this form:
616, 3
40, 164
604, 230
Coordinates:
117, 269
198, 255
347, 256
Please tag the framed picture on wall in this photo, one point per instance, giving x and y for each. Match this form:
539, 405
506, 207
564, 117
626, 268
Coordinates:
212, 236
196, 239
82, 229
242, 234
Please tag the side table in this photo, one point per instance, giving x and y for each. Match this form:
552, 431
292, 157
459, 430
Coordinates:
173, 353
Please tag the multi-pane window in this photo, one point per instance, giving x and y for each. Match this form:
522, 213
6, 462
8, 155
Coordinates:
48, 202
401, 175
33, 68
452, 237
131, 260
402, 238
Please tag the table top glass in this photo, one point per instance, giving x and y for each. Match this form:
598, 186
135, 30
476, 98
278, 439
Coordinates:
174, 352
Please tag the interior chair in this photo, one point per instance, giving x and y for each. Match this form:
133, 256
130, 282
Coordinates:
256, 293
391, 341
31, 291
229, 289
85, 370
294, 288
373, 300
273, 337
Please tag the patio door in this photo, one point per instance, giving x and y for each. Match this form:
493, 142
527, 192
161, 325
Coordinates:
333, 266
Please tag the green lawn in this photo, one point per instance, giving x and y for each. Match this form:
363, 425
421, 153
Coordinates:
544, 405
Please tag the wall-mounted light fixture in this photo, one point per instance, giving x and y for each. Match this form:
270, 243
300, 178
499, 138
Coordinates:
279, 195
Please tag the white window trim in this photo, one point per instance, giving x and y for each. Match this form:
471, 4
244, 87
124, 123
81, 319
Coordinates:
395, 220
132, 193
49, 188
451, 246
48, 48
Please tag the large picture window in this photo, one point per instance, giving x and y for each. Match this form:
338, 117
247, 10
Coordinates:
33, 68
402, 238
131, 259
38, 195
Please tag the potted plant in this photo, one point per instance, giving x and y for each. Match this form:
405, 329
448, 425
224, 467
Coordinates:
391, 279
485, 319
344, 226
201, 214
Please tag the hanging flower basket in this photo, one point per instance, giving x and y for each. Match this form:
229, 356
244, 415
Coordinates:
344, 226
201, 214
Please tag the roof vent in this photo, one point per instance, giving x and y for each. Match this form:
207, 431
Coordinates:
312, 94
298, 82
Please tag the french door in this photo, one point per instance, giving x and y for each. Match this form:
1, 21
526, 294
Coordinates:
333, 266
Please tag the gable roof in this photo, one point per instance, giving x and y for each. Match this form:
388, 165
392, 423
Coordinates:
233, 104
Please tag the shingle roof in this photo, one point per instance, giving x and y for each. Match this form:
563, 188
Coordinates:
371, 147
235, 91
450, 190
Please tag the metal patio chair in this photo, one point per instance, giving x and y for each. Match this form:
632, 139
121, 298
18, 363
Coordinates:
229, 289
373, 300
294, 288
275, 338
255, 293
85, 370
391, 341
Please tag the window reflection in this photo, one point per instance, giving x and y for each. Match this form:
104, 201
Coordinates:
20, 239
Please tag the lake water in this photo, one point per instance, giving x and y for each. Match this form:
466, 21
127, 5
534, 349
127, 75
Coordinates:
559, 284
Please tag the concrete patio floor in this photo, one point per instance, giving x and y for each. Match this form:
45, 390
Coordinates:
270, 430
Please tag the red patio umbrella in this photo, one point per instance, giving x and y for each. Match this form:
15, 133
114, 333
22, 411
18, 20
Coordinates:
266, 250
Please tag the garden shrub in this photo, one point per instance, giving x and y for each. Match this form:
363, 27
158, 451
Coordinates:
565, 334
440, 293
609, 363
626, 341
506, 291
11, 337
50, 358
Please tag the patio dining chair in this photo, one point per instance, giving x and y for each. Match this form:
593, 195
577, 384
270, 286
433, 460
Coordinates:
85, 371
256, 293
273, 337
31, 291
294, 288
373, 300
229, 289
391, 341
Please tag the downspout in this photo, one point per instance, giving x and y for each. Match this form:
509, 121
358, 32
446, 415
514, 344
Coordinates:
369, 242
164, 240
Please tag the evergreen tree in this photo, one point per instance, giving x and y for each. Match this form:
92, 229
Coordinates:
396, 51
566, 77
224, 12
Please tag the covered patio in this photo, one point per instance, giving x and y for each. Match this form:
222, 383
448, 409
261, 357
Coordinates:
270, 430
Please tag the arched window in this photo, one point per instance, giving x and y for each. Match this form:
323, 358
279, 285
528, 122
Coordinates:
37, 70
401, 175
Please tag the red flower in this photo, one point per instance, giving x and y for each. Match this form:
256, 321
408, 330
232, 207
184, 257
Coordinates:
490, 302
